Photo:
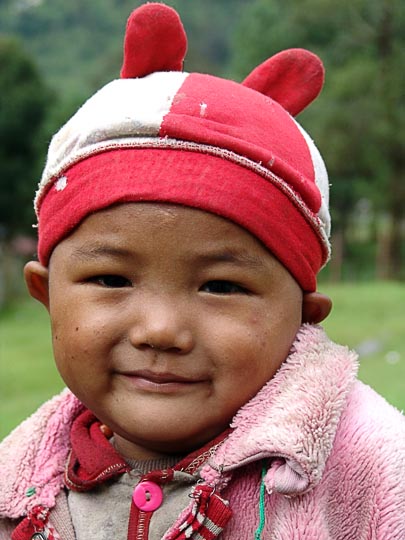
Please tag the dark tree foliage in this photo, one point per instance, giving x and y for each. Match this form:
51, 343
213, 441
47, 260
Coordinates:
23, 105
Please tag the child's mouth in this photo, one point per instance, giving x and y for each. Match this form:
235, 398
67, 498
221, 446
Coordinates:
152, 381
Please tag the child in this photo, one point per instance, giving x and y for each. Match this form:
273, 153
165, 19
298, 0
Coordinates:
182, 221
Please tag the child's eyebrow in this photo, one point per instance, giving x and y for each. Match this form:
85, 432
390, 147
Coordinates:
242, 259
94, 252
239, 258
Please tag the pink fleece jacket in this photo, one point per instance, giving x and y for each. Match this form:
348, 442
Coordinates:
334, 452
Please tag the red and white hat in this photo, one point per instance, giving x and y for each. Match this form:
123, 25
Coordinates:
160, 134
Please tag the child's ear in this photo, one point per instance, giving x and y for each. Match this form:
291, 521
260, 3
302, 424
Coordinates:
37, 280
315, 307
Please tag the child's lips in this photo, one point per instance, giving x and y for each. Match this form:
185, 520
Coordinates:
164, 382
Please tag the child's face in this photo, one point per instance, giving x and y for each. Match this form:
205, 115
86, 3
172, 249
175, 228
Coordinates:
166, 320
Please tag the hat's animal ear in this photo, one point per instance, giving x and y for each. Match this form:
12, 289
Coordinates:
293, 78
155, 40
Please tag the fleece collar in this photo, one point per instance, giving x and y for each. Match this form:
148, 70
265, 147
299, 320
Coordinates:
93, 459
291, 422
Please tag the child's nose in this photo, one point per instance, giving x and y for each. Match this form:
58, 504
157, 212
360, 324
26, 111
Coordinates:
163, 326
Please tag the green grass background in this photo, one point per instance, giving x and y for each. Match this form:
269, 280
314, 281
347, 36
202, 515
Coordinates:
367, 316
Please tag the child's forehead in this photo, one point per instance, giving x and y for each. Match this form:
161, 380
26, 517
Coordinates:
149, 216
164, 219
169, 229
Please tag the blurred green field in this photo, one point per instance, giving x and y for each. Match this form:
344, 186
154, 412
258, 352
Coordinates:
367, 316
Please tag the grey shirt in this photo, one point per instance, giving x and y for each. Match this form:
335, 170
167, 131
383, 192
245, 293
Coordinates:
103, 512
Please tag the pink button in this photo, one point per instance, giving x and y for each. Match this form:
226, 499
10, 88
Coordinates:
147, 496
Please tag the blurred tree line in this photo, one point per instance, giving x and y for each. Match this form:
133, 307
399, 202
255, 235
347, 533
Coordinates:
54, 54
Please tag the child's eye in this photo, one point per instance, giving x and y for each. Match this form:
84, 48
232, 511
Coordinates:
111, 281
219, 286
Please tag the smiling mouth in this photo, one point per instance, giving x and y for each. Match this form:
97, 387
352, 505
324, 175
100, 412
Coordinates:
160, 382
